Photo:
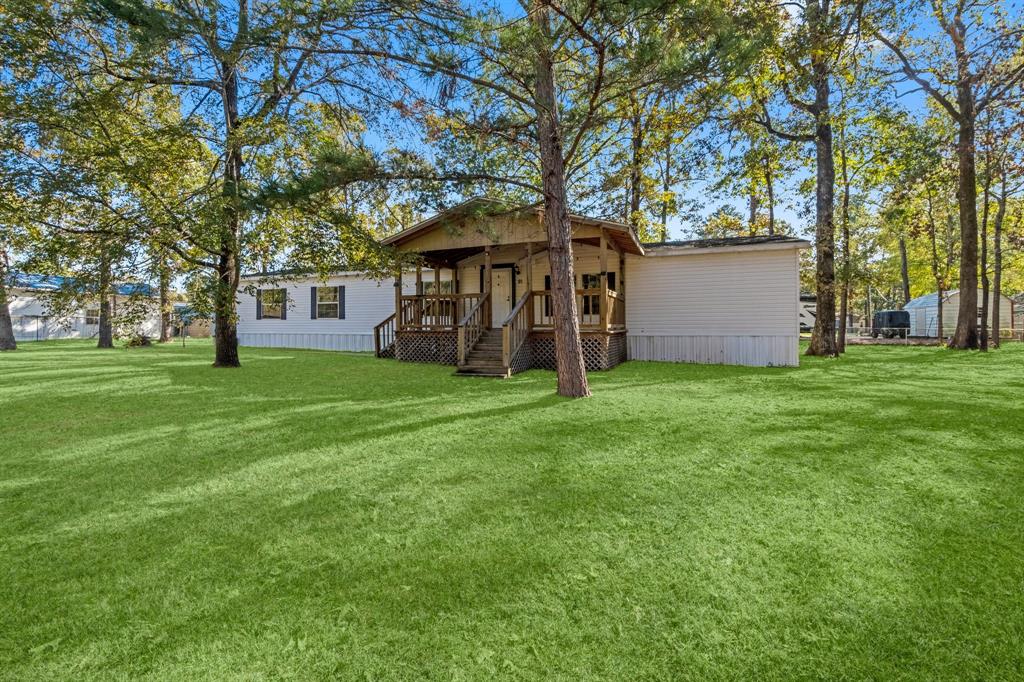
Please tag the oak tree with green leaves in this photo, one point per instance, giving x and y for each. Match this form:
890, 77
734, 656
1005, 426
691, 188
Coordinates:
972, 61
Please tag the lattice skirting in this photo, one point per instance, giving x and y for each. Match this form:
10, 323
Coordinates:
523, 359
600, 351
416, 346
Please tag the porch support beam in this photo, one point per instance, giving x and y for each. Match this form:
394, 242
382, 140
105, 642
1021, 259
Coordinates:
529, 283
604, 280
620, 283
419, 292
487, 282
398, 298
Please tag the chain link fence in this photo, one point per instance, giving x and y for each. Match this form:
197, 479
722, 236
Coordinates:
902, 336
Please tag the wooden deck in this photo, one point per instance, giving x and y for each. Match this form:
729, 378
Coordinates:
449, 327
446, 328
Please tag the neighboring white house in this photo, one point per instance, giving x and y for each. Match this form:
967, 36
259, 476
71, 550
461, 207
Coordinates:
808, 312
924, 313
719, 301
33, 320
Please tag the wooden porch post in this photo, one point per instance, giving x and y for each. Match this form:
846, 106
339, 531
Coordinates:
604, 281
435, 306
529, 282
419, 292
398, 299
487, 283
620, 283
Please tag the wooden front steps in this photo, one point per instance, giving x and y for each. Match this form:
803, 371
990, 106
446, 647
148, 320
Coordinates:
485, 359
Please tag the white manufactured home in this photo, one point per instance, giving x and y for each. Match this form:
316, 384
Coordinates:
33, 320
924, 314
481, 298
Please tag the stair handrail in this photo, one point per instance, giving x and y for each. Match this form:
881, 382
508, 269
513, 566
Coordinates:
471, 328
384, 335
516, 329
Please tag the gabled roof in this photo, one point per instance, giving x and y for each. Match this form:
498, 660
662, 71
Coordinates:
36, 282
486, 206
477, 205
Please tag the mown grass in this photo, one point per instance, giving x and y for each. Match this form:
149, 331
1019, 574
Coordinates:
318, 515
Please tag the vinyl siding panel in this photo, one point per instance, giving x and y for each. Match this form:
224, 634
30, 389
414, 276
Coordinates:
367, 303
739, 307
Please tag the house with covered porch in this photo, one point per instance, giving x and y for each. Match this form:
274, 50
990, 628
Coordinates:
479, 297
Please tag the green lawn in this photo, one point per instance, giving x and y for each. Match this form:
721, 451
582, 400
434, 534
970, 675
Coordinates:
322, 515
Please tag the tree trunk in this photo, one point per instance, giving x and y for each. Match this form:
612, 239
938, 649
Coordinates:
106, 331
572, 375
904, 270
666, 180
983, 326
823, 338
228, 265
636, 162
770, 189
966, 334
165, 301
844, 292
7, 341
754, 205
936, 272
997, 265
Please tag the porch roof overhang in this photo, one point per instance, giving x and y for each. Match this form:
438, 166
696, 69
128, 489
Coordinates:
468, 228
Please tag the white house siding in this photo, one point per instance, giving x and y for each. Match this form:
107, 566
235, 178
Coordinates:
367, 303
717, 306
32, 320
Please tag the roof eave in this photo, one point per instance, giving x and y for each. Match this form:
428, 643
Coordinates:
682, 250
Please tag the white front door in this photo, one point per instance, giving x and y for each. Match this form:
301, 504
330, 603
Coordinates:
501, 295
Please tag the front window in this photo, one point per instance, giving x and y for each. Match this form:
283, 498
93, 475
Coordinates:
92, 315
273, 304
446, 287
327, 302
593, 281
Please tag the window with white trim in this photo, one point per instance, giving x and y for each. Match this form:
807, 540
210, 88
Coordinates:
327, 303
272, 303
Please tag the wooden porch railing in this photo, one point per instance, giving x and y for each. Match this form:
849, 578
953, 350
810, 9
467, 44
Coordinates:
616, 310
384, 336
472, 326
435, 311
516, 328
588, 308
